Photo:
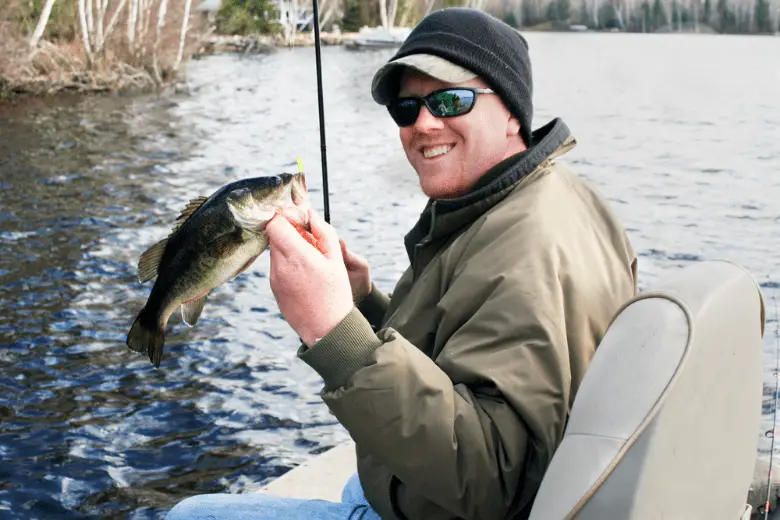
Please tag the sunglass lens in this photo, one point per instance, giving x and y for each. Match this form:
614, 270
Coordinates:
451, 102
404, 111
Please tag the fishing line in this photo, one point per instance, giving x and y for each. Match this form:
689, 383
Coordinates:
774, 414
322, 110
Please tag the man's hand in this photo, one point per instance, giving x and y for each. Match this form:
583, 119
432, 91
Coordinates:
358, 271
312, 288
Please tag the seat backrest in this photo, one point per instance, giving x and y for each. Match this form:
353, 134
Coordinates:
666, 421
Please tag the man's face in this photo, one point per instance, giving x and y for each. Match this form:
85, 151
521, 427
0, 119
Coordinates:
451, 154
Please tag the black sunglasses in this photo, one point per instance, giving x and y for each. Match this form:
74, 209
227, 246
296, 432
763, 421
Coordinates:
448, 102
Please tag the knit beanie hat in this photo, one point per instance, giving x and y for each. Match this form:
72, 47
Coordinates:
450, 40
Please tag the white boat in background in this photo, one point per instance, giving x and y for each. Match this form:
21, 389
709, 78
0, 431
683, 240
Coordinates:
379, 38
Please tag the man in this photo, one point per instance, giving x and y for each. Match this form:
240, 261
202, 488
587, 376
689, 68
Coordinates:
457, 388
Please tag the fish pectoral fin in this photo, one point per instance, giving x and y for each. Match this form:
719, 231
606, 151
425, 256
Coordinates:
150, 261
192, 206
191, 310
225, 245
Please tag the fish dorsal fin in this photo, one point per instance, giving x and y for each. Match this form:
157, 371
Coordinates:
150, 261
192, 206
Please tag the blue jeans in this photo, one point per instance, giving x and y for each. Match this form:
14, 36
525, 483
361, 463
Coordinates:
261, 506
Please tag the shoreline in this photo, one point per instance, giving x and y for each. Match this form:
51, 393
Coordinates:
120, 78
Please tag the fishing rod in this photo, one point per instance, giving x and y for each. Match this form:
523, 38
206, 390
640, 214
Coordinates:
322, 110
774, 415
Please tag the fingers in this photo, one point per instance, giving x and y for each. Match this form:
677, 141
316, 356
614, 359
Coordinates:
351, 260
326, 236
283, 237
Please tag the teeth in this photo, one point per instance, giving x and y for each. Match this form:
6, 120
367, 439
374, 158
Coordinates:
438, 150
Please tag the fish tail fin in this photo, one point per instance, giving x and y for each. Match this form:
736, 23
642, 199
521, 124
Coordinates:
145, 338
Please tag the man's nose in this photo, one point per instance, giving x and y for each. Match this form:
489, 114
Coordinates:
427, 121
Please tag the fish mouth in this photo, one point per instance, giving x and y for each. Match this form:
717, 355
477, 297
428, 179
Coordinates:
252, 211
297, 211
299, 193
297, 215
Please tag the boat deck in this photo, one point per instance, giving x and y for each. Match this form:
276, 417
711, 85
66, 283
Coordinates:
321, 477
324, 476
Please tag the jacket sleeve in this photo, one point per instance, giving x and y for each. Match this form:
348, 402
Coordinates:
374, 306
469, 433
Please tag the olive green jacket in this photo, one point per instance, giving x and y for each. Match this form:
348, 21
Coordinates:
457, 389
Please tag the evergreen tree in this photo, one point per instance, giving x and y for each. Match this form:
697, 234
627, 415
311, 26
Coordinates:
763, 17
659, 15
706, 16
647, 17
558, 11
585, 16
247, 17
727, 21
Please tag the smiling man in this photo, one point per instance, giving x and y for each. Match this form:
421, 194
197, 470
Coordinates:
457, 388
450, 150
448, 145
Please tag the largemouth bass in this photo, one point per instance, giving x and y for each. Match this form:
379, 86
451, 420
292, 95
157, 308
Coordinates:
215, 239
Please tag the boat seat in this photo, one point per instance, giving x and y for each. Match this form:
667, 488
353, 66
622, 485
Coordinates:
666, 422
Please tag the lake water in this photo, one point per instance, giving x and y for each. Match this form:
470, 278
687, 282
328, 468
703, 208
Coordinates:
680, 132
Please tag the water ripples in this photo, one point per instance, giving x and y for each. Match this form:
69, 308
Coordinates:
88, 429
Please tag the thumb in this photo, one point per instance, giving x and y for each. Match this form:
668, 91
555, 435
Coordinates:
326, 236
282, 236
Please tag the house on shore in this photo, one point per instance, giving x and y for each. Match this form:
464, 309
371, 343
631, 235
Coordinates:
289, 13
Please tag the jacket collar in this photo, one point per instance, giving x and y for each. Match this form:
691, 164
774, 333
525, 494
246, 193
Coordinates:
441, 218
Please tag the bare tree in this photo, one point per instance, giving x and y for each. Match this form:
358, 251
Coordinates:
518, 11
132, 21
42, 22
327, 10
90, 22
184, 25
392, 12
84, 23
161, 11
103, 36
383, 14
145, 55
102, 5
412, 6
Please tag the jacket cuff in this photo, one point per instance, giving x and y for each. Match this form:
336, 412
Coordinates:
343, 351
374, 306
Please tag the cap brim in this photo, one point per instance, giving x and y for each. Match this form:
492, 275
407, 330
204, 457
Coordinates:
385, 83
